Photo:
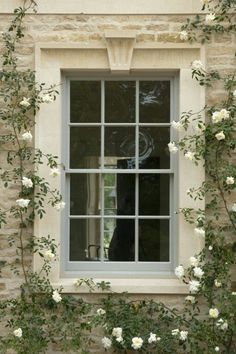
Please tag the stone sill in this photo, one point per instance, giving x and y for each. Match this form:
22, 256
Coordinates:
132, 286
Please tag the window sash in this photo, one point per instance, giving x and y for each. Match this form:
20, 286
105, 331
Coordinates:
86, 266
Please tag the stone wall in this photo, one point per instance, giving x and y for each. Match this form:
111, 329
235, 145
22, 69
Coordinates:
86, 28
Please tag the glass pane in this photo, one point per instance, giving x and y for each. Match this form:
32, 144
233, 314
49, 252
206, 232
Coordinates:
85, 147
119, 199
84, 194
119, 240
120, 101
154, 101
85, 101
153, 194
85, 240
153, 149
119, 147
153, 240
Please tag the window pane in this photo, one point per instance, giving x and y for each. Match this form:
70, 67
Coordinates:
153, 240
120, 101
85, 147
153, 194
119, 239
85, 101
84, 194
153, 149
119, 147
154, 101
84, 240
119, 199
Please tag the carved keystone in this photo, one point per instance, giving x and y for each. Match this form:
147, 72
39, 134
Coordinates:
120, 45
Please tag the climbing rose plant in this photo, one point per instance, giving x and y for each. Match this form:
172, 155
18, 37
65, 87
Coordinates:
41, 317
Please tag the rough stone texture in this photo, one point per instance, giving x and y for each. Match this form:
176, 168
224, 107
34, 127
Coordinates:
84, 28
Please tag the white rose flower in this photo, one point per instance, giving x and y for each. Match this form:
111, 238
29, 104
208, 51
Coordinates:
158, 339
106, 342
119, 339
217, 349
220, 136
47, 98
25, 102
221, 324
234, 93
218, 116
217, 283
189, 155
49, 255
101, 312
137, 343
54, 172
199, 231
177, 126
210, 248
175, 332
194, 261
59, 206
27, 137
27, 182
183, 335
190, 298
210, 18
183, 35
194, 286
198, 272
179, 271
56, 296
214, 313
233, 293
18, 332
22, 203
152, 338
172, 147
234, 208
230, 180
224, 114
197, 65
117, 332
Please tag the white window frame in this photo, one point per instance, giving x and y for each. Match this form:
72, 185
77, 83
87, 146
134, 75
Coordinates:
91, 269
53, 61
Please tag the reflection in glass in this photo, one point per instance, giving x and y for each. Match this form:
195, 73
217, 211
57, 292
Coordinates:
119, 198
84, 194
120, 101
119, 239
119, 147
85, 147
154, 101
153, 240
153, 149
85, 240
153, 194
85, 101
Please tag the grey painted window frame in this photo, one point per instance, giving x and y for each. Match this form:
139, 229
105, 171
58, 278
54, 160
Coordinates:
120, 269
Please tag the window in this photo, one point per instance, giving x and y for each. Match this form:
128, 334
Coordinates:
119, 175
54, 63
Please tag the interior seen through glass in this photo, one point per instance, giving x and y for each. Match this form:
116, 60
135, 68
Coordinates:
118, 216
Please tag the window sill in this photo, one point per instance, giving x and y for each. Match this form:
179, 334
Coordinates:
132, 286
